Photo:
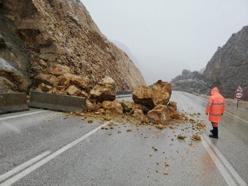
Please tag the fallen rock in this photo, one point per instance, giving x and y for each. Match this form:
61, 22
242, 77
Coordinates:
155, 149
181, 137
156, 94
104, 90
172, 106
44, 88
196, 137
139, 115
127, 108
73, 91
113, 107
159, 114
72, 79
46, 79
160, 126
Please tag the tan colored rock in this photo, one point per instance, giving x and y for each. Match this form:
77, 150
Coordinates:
113, 107
73, 91
57, 69
44, 88
84, 94
47, 79
158, 93
161, 92
139, 115
159, 114
71, 79
105, 90
135, 106
172, 106
91, 106
196, 137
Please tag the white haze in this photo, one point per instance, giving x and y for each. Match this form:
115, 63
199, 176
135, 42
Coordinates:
167, 36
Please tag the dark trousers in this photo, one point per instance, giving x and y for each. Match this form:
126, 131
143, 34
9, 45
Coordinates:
215, 130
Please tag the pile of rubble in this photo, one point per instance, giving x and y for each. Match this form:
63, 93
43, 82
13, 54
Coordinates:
150, 105
57, 79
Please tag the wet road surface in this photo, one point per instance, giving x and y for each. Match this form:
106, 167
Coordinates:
50, 148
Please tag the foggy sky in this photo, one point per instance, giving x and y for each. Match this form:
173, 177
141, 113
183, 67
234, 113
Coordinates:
167, 36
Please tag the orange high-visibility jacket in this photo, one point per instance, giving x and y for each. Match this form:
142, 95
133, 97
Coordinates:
216, 106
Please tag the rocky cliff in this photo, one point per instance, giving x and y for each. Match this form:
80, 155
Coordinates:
227, 69
37, 36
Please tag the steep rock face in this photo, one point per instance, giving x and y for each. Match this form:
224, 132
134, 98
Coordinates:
193, 82
62, 32
228, 68
14, 63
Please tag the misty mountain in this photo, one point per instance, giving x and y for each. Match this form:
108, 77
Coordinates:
227, 69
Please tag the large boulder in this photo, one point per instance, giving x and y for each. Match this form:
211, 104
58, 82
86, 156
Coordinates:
158, 93
105, 90
159, 115
113, 107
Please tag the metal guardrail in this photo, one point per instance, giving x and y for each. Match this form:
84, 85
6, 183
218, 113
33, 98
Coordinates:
57, 102
13, 102
124, 96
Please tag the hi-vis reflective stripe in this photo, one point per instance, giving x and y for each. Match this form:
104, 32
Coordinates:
215, 114
218, 103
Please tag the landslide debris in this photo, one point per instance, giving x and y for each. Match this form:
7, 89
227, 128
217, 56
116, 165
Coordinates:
151, 96
151, 105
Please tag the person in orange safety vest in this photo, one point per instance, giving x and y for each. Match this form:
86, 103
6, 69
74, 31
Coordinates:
215, 109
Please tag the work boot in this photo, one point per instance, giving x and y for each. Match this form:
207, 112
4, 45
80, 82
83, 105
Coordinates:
214, 133
213, 136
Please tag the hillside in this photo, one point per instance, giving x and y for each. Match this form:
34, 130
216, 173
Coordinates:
36, 35
227, 69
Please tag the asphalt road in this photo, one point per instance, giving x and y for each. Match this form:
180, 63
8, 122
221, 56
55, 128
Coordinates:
41, 147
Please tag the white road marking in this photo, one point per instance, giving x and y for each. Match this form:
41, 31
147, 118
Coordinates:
230, 168
225, 168
228, 178
21, 115
23, 166
37, 165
